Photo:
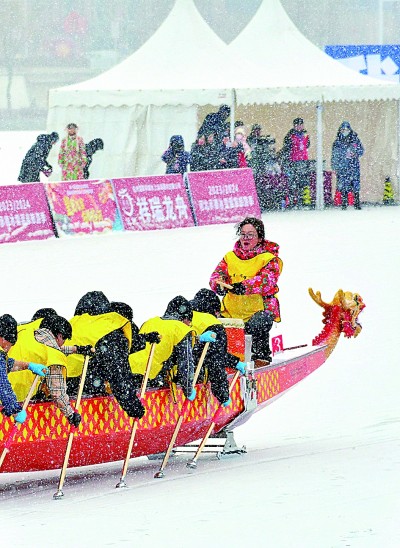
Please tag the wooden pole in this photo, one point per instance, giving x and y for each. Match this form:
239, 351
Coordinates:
193, 462
59, 494
14, 429
160, 473
122, 482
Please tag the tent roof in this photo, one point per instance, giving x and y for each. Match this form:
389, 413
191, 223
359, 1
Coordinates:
186, 63
295, 70
183, 55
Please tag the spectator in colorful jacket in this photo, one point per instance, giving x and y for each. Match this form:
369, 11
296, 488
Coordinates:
249, 284
346, 151
176, 158
294, 159
72, 156
35, 160
8, 398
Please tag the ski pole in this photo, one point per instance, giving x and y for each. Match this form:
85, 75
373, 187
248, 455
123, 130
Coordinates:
193, 462
122, 482
15, 427
59, 494
160, 473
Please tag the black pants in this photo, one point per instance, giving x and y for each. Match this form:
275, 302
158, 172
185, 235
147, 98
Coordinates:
111, 364
259, 326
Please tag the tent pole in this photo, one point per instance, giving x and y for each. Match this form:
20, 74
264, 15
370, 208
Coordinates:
319, 201
233, 114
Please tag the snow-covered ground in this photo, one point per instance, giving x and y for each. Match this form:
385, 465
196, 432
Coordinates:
322, 468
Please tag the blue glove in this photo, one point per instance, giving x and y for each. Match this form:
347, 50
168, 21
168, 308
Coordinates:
20, 417
241, 366
192, 395
227, 403
37, 368
207, 336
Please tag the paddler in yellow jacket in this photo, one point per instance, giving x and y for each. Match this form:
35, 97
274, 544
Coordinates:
110, 334
249, 276
8, 398
41, 341
206, 311
174, 349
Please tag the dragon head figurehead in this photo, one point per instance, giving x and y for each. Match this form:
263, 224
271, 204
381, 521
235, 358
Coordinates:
340, 316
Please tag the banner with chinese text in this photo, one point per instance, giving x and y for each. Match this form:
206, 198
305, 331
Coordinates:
24, 213
154, 202
83, 207
223, 196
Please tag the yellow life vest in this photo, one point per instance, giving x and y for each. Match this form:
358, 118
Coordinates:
171, 331
28, 349
87, 329
202, 321
244, 306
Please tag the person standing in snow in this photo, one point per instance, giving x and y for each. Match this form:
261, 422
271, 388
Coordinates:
72, 155
176, 158
91, 147
294, 159
345, 161
252, 270
206, 310
215, 122
35, 160
8, 398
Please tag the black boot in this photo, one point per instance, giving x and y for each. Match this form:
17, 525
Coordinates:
357, 200
344, 200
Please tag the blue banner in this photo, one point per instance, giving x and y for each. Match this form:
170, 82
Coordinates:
380, 61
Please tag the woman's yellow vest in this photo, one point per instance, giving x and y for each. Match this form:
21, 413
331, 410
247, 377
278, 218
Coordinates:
27, 349
87, 329
171, 331
244, 306
202, 321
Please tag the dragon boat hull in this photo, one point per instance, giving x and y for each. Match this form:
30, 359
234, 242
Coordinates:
105, 430
104, 433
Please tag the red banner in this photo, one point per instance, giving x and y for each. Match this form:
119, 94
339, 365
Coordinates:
154, 202
223, 196
24, 213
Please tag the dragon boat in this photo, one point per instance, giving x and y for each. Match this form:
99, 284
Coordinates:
103, 436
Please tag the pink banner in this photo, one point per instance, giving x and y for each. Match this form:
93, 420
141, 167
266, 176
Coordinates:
223, 196
24, 213
149, 203
83, 207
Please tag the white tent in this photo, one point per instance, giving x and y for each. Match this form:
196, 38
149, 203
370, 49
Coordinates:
184, 70
137, 105
302, 77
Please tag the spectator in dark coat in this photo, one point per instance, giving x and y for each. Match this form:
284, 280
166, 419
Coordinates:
176, 158
91, 147
215, 123
346, 151
35, 159
198, 160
